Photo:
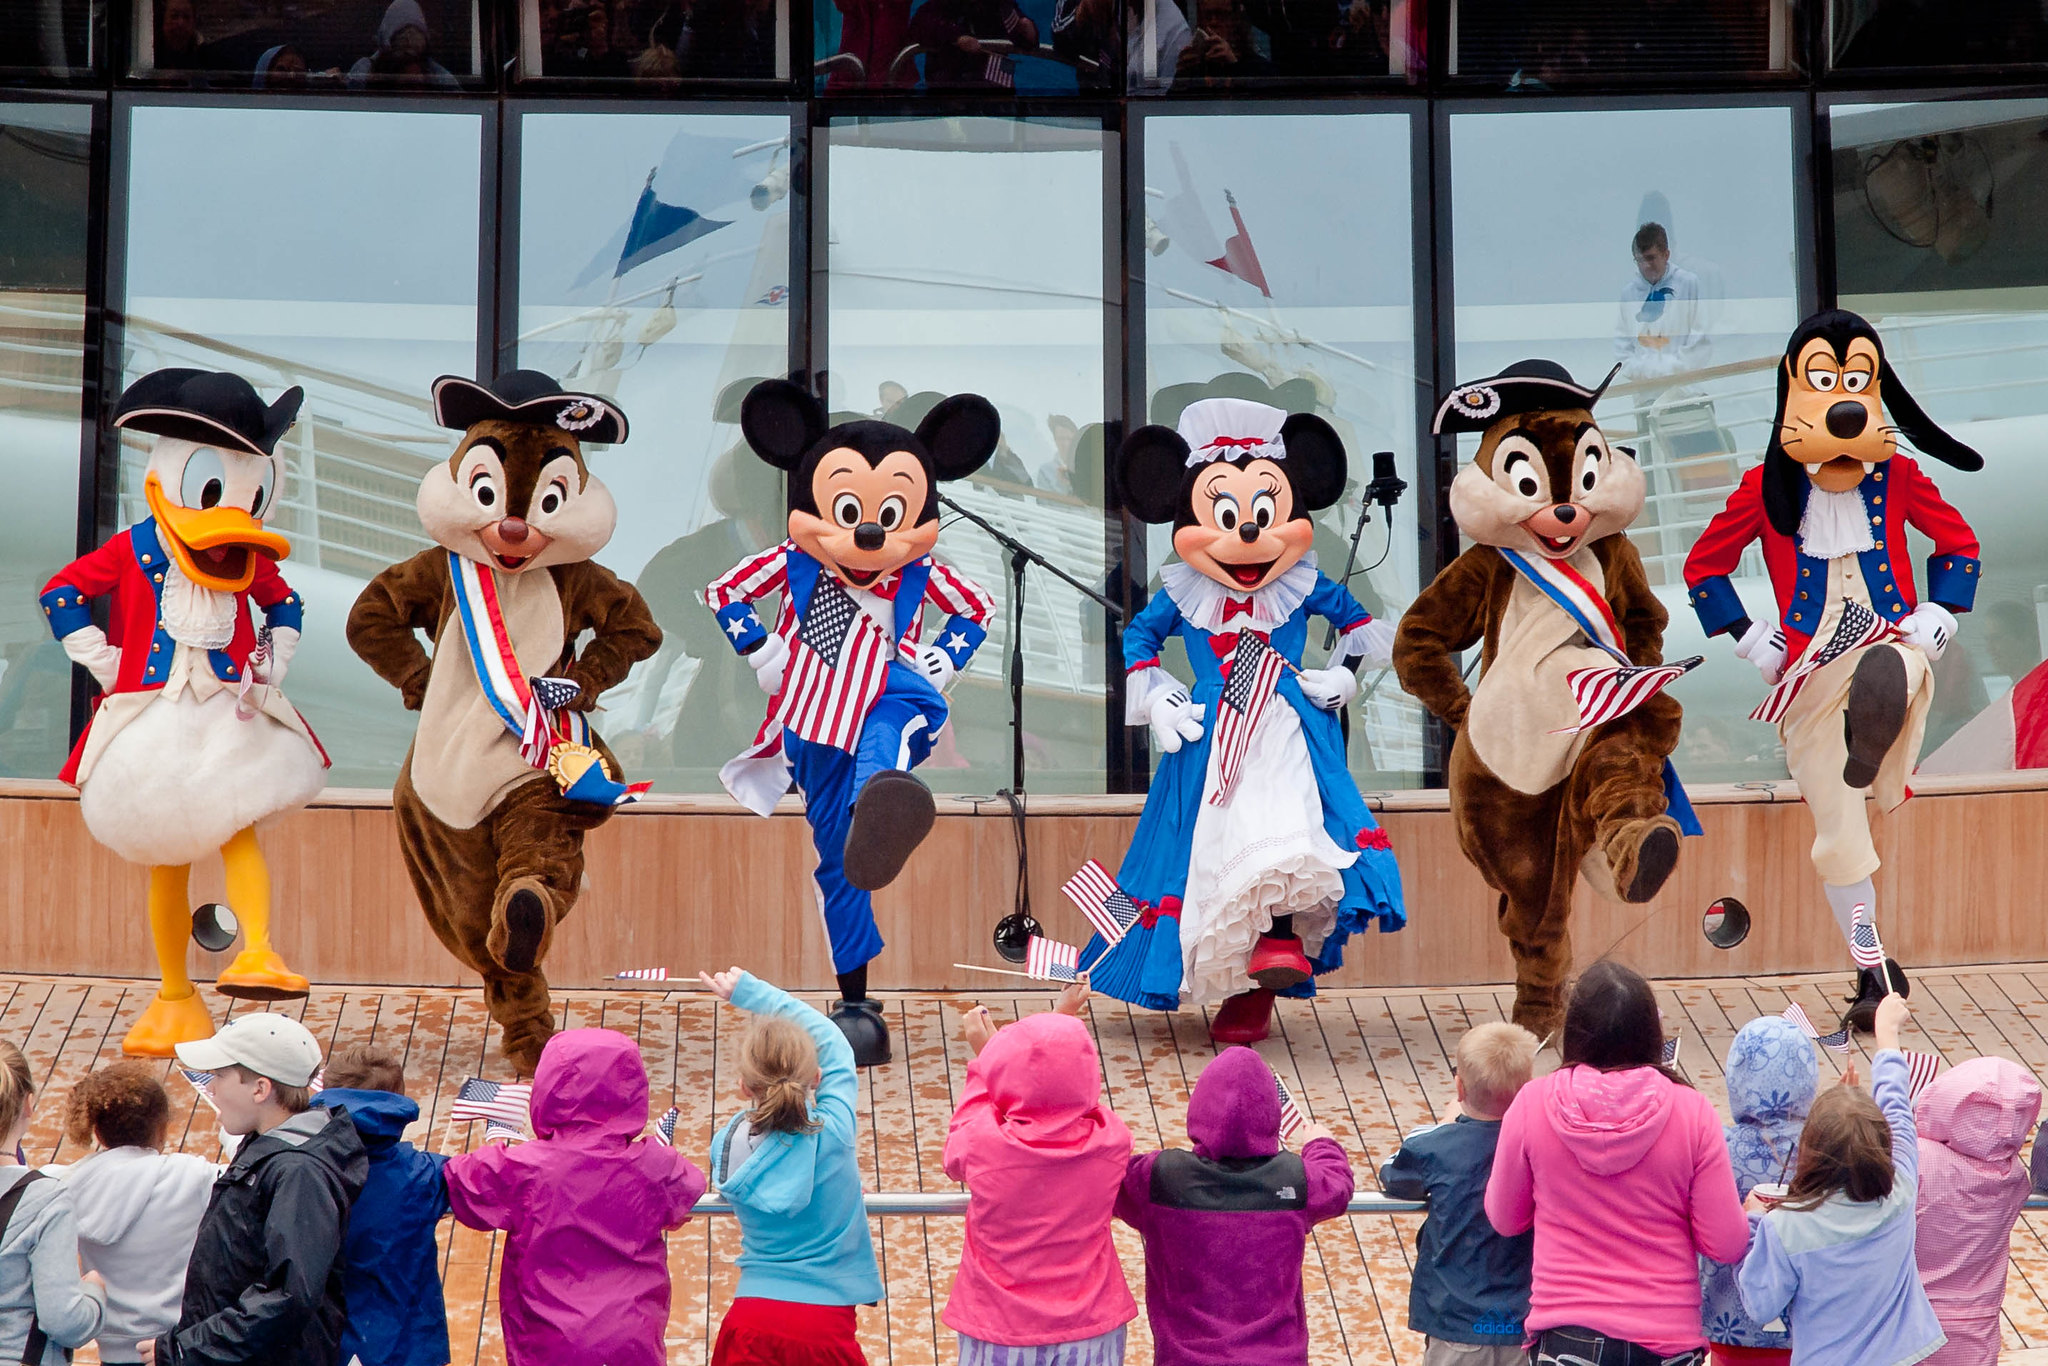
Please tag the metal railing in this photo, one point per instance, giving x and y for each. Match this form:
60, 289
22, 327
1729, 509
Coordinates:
888, 1204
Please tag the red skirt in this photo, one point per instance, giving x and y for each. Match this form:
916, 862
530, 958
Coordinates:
1726, 1355
778, 1333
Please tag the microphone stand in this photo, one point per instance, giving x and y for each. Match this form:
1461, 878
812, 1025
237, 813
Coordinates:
1014, 930
1386, 490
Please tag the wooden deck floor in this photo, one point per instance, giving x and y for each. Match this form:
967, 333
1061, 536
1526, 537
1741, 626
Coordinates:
1369, 1065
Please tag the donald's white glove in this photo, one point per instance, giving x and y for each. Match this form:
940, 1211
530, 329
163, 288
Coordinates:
1331, 689
1763, 645
769, 661
284, 643
935, 664
1930, 626
88, 646
1176, 719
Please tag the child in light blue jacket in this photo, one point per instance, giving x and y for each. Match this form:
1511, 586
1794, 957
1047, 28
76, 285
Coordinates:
788, 1166
1835, 1260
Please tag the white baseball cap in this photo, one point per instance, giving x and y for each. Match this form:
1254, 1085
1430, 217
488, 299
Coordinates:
273, 1046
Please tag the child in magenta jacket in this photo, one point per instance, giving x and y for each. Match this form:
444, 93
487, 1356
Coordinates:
1624, 1175
586, 1202
1042, 1157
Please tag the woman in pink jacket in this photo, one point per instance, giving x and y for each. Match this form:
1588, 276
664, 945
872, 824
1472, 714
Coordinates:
1043, 1157
1623, 1172
1972, 1124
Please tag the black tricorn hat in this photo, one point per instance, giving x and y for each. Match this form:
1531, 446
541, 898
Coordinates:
211, 406
1527, 386
531, 397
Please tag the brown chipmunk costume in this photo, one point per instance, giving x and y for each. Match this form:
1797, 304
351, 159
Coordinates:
494, 845
1561, 763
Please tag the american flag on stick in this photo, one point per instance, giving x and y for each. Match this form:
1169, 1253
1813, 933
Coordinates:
838, 662
1254, 672
1670, 1058
1864, 945
1837, 1042
1858, 627
202, 1082
1607, 691
665, 1127
1051, 961
642, 975
1291, 1117
1920, 1070
503, 1103
1109, 908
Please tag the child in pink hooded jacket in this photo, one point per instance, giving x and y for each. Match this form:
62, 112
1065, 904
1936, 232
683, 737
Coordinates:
1043, 1158
1972, 1123
586, 1201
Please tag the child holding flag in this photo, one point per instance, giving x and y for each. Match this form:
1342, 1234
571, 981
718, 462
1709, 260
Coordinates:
1042, 1156
787, 1164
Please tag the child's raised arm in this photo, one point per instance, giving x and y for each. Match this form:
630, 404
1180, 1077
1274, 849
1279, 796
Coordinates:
1890, 1086
838, 1080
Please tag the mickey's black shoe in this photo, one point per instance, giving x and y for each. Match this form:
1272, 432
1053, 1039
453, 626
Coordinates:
891, 817
861, 1022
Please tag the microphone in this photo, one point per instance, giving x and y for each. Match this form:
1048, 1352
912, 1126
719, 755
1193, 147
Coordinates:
1386, 487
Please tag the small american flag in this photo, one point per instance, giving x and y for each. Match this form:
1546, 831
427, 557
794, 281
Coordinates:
503, 1101
1051, 961
1109, 908
1254, 672
665, 1127
1920, 1070
202, 1082
1605, 692
1837, 1042
1670, 1058
1864, 945
1858, 627
1796, 1013
498, 1128
1291, 1117
838, 662
642, 975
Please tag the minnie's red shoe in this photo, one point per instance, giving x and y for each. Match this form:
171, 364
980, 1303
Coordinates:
1278, 963
1243, 1019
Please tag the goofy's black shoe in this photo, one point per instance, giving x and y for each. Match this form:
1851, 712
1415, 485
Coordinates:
861, 1022
1875, 715
1862, 1012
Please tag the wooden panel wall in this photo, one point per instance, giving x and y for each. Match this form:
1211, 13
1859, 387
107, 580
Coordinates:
685, 884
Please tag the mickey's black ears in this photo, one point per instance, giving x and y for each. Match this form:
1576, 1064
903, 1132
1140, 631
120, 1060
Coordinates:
1919, 428
1315, 461
961, 433
1151, 468
781, 422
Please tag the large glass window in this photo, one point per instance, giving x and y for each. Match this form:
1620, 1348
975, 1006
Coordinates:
395, 45
1028, 46
654, 44
1938, 212
1869, 34
358, 283
1314, 312
665, 284
1541, 44
45, 153
50, 38
1577, 237
966, 255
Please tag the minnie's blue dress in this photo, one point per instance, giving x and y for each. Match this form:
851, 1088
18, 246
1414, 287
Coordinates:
1293, 748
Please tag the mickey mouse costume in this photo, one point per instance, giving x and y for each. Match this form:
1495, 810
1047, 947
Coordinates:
1255, 857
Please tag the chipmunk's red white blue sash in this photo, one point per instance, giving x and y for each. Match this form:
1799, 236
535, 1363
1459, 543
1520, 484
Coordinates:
552, 737
1606, 692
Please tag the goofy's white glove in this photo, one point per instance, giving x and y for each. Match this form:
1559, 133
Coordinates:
1176, 719
1763, 645
769, 661
88, 646
1930, 626
936, 665
1331, 689
284, 643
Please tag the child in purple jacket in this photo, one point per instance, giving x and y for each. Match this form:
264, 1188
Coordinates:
1226, 1226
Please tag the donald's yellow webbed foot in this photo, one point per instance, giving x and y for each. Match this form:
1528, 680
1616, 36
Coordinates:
168, 1022
260, 975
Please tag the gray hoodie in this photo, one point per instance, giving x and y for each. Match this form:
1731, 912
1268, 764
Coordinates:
39, 1273
138, 1211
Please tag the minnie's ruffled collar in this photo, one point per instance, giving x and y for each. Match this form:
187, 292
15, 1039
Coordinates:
1201, 599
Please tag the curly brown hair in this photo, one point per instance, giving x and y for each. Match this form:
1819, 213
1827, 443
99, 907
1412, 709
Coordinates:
123, 1105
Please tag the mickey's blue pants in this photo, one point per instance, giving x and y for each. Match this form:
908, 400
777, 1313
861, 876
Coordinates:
898, 733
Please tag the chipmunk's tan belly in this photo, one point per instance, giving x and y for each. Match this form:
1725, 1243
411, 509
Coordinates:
1525, 695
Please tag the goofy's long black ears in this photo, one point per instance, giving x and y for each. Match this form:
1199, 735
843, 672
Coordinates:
1917, 427
781, 421
1151, 472
961, 433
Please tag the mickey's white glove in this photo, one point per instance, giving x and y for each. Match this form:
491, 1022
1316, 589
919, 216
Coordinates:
284, 643
88, 646
935, 664
1375, 641
1176, 719
1930, 626
1330, 689
769, 661
1763, 645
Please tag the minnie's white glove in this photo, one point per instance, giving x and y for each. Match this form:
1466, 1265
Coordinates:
88, 646
1330, 689
1763, 645
935, 664
769, 661
1176, 719
1930, 626
284, 643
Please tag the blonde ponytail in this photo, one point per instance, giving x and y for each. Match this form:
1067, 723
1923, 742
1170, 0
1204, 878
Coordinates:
17, 1087
778, 1063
